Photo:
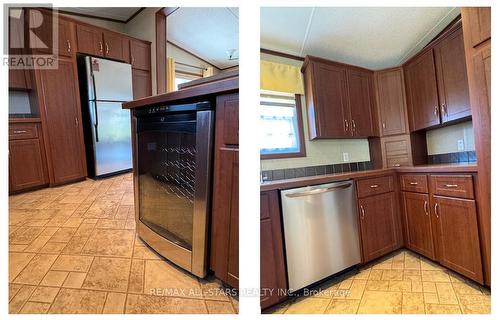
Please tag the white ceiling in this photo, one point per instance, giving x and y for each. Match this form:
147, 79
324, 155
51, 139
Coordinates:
116, 13
373, 38
206, 32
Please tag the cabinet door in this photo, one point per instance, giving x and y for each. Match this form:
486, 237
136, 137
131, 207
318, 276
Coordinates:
233, 252
329, 113
452, 77
113, 46
391, 101
66, 38
141, 83
458, 241
272, 258
18, 79
62, 119
479, 20
378, 225
89, 40
26, 165
140, 55
418, 223
421, 91
360, 102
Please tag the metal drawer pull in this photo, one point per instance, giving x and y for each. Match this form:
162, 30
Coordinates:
362, 212
451, 185
318, 191
426, 208
436, 211
413, 183
374, 186
20, 131
396, 165
69, 45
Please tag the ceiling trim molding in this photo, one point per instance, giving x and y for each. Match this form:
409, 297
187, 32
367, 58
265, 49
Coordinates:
100, 18
281, 54
193, 54
431, 34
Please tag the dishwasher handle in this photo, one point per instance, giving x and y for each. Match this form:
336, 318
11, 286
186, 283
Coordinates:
318, 191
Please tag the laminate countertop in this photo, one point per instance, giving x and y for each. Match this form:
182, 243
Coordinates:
320, 179
201, 91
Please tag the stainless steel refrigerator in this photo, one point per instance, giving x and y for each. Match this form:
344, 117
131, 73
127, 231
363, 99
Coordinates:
104, 86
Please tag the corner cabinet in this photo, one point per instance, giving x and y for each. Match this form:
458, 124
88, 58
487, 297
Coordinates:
338, 99
60, 110
224, 252
273, 284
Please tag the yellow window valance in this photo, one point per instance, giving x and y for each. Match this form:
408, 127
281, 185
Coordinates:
281, 77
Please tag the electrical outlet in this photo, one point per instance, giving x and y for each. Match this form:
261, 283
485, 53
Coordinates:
460, 145
345, 156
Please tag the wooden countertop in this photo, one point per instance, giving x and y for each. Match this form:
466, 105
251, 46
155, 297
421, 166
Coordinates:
227, 85
312, 180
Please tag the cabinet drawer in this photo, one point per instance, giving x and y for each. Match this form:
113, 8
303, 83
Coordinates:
18, 131
394, 162
373, 186
414, 183
453, 186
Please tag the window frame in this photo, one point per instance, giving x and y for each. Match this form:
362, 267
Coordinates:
300, 127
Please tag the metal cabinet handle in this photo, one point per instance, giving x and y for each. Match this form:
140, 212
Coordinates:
436, 111
383, 125
353, 123
451, 185
318, 191
362, 212
132, 58
396, 165
413, 183
436, 211
20, 131
374, 186
76, 122
107, 48
426, 208
346, 125
100, 46
68, 43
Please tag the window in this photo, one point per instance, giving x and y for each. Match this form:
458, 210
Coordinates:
183, 77
281, 128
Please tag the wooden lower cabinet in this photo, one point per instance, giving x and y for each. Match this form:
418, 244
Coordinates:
378, 225
26, 165
418, 223
458, 236
273, 282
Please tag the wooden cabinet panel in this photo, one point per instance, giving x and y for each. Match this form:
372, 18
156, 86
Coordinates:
396, 151
21, 131
421, 91
327, 106
19, 79
231, 115
479, 21
459, 186
359, 85
414, 183
418, 223
452, 77
141, 83
224, 250
391, 101
113, 46
43, 39
60, 110
374, 186
26, 165
66, 31
273, 282
140, 55
378, 225
89, 40
458, 236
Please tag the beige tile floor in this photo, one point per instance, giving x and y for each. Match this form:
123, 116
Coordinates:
401, 283
74, 249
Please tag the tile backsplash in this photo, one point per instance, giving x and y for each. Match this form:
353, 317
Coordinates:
452, 157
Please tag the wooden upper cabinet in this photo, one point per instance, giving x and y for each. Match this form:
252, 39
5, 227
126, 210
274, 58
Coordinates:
60, 110
89, 40
419, 223
359, 84
391, 101
66, 31
19, 79
458, 242
479, 20
378, 225
452, 77
421, 90
114, 46
140, 55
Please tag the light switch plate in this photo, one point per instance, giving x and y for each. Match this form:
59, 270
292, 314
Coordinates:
345, 156
460, 145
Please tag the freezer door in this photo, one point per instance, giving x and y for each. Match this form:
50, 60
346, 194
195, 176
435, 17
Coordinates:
112, 81
111, 135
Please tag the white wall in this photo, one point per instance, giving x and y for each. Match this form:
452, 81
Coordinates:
180, 55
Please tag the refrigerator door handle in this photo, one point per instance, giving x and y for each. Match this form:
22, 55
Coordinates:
96, 122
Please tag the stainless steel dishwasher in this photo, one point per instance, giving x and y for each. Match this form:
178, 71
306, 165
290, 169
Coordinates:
321, 232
